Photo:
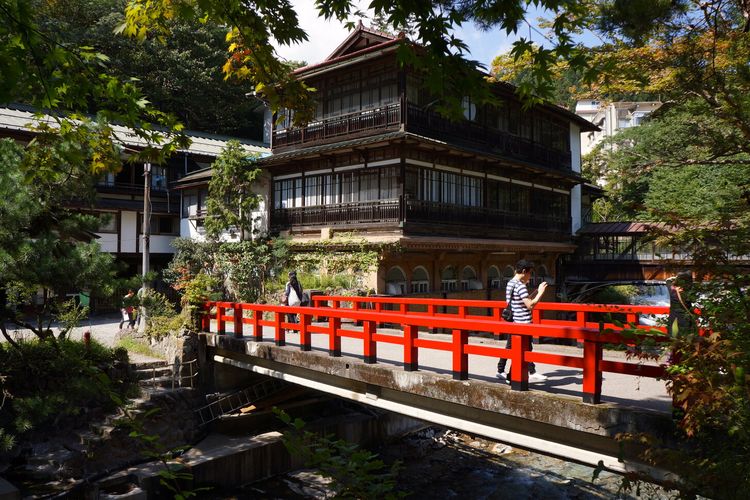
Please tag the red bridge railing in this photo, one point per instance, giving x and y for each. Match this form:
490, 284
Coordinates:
462, 318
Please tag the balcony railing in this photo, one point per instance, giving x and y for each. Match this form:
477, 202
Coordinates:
414, 211
428, 211
342, 213
427, 123
341, 126
490, 139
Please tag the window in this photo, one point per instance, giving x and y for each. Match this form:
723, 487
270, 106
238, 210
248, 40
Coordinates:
158, 178
107, 222
288, 193
470, 109
165, 224
194, 203
494, 280
313, 190
107, 180
420, 280
448, 279
395, 281
469, 279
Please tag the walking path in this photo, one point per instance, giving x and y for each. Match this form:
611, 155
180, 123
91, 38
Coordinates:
104, 329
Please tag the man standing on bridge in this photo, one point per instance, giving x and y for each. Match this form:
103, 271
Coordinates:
521, 303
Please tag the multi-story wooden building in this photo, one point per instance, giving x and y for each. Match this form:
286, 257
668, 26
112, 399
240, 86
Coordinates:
460, 200
119, 197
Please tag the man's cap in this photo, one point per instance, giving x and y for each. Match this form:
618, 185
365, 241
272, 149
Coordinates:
292, 274
524, 264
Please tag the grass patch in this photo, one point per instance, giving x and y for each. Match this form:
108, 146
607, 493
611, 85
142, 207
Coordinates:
132, 345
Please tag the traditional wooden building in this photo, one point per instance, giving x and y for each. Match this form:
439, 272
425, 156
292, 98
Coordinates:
119, 196
461, 201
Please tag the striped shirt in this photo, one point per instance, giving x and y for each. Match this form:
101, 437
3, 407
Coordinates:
516, 291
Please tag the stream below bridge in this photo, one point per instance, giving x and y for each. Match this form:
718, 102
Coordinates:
442, 464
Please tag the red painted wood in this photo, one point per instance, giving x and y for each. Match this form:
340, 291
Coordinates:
237, 320
460, 358
368, 346
411, 314
411, 353
280, 333
334, 340
592, 374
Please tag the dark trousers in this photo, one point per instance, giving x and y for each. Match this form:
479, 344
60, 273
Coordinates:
504, 361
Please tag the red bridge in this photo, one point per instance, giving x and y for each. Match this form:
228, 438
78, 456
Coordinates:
591, 325
380, 351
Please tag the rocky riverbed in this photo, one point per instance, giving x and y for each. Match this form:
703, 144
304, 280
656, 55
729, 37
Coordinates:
439, 463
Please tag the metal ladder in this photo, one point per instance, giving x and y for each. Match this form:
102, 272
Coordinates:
239, 399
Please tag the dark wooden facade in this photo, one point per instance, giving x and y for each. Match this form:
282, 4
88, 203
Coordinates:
379, 160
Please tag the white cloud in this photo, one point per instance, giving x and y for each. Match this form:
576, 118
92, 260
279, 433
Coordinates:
323, 36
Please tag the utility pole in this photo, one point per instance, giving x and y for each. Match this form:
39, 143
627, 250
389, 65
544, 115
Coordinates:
145, 238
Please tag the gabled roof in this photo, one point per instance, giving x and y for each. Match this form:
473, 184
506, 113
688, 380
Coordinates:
360, 38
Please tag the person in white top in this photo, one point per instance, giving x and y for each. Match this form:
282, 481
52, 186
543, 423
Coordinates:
293, 295
521, 303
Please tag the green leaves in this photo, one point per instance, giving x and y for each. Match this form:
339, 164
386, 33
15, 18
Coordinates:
231, 194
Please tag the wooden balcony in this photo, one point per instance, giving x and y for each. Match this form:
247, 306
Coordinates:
426, 123
368, 212
444, 218
488, 139
342, 127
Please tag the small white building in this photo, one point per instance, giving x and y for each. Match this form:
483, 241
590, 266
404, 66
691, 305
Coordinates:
611, 118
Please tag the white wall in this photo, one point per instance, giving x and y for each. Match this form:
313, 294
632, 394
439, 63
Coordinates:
128, 235
575, 161
108, 242
160, 243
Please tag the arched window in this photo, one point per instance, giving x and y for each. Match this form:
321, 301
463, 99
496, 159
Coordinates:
469, 279
494, 279
508, 274
395, 281
448, 279
420, 280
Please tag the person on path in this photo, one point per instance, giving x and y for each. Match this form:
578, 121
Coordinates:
127, 310
292, 295
521, 303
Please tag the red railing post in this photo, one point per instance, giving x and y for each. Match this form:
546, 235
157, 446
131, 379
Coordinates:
237, 320
592, 373
206, 317
280, 332
334, 341
220, 323
304, 334
257, 329
460, 358
519, 368
379, 309
411, 363
369, 348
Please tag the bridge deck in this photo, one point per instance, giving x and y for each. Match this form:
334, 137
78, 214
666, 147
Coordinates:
620, 389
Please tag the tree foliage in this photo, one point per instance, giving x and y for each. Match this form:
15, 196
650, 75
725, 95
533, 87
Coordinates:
231, 197
252, 25
181, 76
45, 248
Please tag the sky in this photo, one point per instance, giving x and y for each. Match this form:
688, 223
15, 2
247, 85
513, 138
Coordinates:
325, 36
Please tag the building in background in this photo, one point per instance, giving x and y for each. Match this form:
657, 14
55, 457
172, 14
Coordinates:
119, 197
610, 118
457, 202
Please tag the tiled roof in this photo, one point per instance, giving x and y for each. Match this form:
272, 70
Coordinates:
621, 227
19, 119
